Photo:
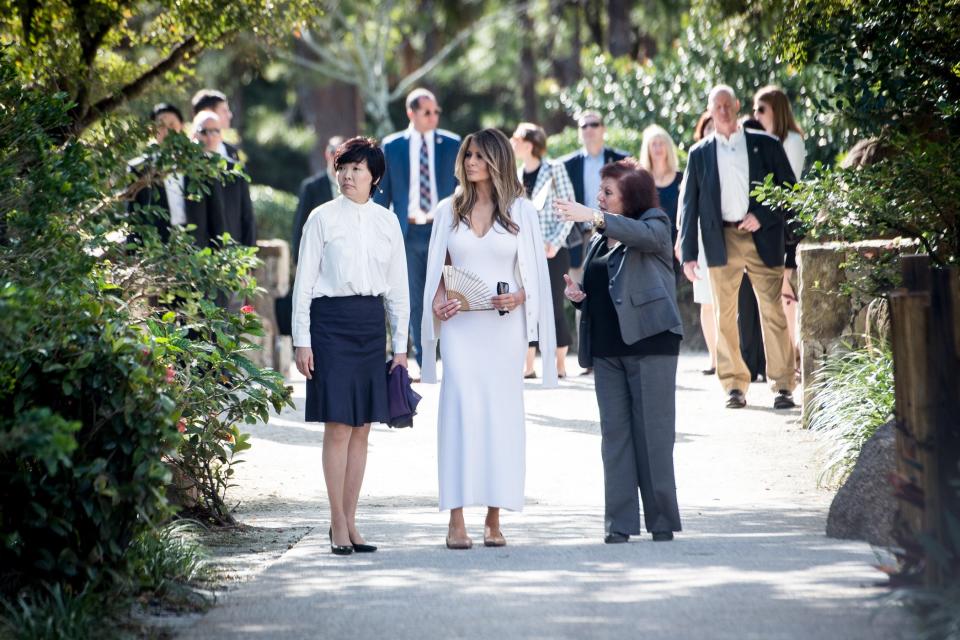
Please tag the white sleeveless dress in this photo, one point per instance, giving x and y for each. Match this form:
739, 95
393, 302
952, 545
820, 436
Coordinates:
481, 440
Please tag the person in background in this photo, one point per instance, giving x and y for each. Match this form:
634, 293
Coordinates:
702, 295
238, 217
315, 191
216, 101
583, 166
169, 193
352, 269
739, 233
630, 332
658, 155
771, 108
420, 165
545, 181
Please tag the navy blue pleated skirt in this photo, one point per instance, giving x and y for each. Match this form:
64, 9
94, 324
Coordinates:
348, 337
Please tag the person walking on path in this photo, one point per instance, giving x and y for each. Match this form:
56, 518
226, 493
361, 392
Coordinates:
490, 230
739, 234
420, 162
545, 181
630, 333
351, 266
658, 155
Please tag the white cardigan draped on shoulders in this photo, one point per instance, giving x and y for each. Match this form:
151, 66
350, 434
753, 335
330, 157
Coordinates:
533, 277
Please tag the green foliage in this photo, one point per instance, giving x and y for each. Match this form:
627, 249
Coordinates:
168, 556
671, 90
275, 210
852, 398
895, 61
56, 613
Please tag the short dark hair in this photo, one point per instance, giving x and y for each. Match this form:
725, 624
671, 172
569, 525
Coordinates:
360, 149
206, 100
638, 189
165, 107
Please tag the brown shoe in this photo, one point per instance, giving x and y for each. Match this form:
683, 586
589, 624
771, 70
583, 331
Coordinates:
459, 543
491, 539
736, 399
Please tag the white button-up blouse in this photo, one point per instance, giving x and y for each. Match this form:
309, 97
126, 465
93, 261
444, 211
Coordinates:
351, 249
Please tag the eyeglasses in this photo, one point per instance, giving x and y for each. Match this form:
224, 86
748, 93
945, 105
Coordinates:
429, 113
760, 109
209, 132
591, 125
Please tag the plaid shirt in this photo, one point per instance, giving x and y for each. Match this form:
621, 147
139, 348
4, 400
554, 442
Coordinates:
552, 226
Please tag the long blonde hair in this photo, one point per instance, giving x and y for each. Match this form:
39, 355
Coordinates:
498, 154
650, 134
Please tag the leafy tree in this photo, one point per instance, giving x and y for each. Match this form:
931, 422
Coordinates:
102, 54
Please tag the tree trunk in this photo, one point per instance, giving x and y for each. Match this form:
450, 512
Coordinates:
619, 35
593, 15
528, 69
332, 109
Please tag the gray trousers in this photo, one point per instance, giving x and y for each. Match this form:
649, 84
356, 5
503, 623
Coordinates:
637, 400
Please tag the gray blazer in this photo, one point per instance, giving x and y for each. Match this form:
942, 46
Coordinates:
642, 280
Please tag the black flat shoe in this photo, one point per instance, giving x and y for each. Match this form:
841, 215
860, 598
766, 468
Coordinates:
616, 538
337, 549
736, 399
662, 536
709, 372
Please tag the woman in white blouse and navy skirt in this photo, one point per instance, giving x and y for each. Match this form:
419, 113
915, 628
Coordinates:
352, 265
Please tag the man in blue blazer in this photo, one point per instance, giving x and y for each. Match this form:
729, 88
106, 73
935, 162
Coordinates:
739, 234
420, 168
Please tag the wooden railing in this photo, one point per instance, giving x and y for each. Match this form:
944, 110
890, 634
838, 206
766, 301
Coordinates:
926, 354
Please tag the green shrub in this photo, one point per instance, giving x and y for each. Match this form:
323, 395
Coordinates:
274, 210
54, 613
852, 397
161, 557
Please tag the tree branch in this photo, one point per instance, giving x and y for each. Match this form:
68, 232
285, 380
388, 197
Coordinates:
135, 88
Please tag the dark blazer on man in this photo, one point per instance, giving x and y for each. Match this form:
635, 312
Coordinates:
394, 188
239, 220
574, 165
701, 200
314, 191
206, 213
642, 281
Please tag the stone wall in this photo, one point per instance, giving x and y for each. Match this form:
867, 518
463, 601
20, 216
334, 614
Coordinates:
273, 277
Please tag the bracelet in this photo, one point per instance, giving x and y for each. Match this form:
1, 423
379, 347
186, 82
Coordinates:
598, 220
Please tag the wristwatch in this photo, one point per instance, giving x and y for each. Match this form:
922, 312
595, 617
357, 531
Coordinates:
598, 221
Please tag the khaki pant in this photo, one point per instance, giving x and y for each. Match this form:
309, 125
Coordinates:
767, 283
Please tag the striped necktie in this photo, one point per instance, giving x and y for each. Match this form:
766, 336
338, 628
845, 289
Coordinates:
426, 201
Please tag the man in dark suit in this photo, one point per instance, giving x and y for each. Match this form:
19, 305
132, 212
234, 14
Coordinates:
583, 166
739, 234
169, 193
216, 101
234, 189
420, 165
315, 191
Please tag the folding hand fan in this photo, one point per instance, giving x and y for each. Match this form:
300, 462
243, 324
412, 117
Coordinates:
465, 286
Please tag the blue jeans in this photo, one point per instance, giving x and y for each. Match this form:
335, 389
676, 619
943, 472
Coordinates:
417, 243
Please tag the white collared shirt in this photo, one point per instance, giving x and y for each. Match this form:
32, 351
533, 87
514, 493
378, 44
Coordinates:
734, 167
416, 139
591, 178
222, 150
351, 249
176, 202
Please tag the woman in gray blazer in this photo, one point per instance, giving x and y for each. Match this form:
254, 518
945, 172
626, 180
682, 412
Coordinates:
630, 332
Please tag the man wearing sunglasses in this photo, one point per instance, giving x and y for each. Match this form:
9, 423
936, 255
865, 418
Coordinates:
420, 162
583, 166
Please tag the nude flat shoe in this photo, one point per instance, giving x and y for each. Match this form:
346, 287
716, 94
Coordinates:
491, 539
459, 543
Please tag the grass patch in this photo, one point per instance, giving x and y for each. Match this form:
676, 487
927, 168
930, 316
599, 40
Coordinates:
852, 397
55, 613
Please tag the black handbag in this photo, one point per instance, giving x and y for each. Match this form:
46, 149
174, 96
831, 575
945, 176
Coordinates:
283, 311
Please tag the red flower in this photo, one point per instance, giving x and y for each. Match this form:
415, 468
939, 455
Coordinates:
246, 308
171, 374
182, 425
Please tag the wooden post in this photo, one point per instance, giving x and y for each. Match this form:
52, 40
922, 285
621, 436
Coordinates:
944, 416
909, 308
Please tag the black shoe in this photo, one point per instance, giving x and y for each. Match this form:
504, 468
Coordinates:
709, 372
615, 538
784, 400
363, 548
339, 550
736, 400
662, 536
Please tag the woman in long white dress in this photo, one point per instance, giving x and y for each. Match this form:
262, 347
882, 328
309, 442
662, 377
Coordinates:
486, 228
